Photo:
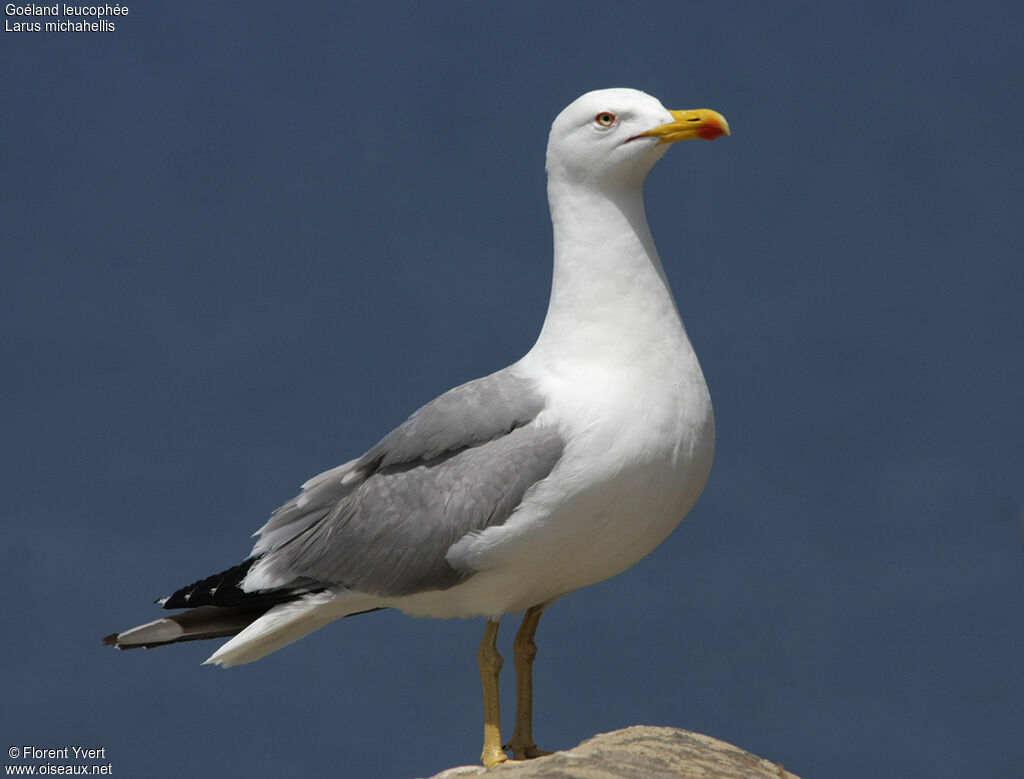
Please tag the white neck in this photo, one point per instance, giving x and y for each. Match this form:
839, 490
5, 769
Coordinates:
609, 294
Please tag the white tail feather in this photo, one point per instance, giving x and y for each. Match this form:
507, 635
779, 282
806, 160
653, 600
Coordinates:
288, 622
198, 623
159, 631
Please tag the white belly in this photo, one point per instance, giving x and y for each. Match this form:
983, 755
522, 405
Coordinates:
634, 465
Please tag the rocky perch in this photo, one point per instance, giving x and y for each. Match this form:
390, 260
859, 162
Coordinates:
639, 752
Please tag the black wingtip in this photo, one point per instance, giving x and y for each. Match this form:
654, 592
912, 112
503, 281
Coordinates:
110, 640
224, 589
221, 589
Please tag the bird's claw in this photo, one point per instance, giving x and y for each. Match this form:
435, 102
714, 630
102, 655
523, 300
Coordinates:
526, 751
493, 758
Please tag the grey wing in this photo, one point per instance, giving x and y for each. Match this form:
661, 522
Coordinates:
383, 523
471, 414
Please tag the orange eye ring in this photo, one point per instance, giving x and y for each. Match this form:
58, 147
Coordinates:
605, 118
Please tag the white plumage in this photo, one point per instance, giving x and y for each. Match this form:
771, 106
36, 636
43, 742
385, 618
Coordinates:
507, 493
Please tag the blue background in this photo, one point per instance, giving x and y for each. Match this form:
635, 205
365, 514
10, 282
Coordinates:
242, 241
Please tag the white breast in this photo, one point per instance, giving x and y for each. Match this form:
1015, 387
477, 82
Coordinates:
638, 454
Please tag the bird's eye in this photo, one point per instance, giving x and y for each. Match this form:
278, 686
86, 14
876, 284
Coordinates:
605, 118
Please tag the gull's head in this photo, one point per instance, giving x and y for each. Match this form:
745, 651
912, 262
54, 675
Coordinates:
615, 136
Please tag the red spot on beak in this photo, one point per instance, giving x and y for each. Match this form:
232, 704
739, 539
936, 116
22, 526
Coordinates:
710, 131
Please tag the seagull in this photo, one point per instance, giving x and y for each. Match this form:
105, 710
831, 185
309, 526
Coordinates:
510, 491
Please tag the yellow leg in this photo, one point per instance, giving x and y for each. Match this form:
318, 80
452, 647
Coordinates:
490, 667
524, 651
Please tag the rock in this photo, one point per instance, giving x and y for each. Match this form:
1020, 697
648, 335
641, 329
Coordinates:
639, 752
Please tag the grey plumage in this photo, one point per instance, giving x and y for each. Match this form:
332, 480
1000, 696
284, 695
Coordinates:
470, 414
384, 523
390, 534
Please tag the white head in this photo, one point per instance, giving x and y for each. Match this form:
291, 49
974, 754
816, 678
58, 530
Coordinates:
614, 136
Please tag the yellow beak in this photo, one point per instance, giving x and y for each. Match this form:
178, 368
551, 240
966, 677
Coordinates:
699, 123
